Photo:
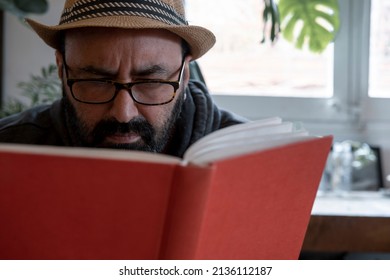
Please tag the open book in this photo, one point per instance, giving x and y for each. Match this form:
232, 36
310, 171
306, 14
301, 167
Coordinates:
243, 192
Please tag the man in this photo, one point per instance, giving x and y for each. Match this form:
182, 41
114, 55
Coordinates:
124, 67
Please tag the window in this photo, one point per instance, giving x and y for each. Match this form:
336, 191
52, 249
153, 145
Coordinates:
379, 85
239, 64
345, 84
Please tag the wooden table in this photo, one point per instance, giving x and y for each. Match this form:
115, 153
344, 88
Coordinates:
354, 222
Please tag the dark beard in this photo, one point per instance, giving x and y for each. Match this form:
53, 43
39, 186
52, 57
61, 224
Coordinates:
151, 141
137, 125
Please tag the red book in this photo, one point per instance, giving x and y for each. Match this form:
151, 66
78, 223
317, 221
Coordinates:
253, 202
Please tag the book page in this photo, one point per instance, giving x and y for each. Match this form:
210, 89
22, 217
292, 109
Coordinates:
228, 150
239, 131
243, 138
239, 138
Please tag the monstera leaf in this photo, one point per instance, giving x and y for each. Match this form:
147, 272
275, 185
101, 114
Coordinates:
312, 23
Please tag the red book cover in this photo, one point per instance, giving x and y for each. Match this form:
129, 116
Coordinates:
255, 206
64, 204
59, 207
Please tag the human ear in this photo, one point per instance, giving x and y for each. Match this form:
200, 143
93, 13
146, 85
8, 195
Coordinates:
60, 63
186, 73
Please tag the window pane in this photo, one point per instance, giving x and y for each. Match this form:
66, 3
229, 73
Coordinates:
379, 85
240, 64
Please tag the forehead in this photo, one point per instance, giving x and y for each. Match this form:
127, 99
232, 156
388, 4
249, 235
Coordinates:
115, 39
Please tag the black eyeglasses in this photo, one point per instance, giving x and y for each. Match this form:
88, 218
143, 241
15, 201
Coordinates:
145, 92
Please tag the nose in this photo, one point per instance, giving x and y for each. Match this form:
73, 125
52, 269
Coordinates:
123, 107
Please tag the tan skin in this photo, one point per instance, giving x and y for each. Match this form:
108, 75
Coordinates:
124, 56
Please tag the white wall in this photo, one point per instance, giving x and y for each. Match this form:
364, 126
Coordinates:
24, 52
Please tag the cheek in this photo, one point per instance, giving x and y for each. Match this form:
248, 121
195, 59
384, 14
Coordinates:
89, 115
157, 116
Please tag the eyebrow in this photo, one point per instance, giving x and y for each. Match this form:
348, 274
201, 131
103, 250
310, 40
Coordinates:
142, 72
97, 71
149, 70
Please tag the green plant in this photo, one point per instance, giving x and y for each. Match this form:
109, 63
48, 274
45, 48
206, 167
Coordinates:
305, 23
21, 8
40, 89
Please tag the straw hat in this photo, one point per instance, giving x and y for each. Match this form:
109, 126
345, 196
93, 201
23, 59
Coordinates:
133, 14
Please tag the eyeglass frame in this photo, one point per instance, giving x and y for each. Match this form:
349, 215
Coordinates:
127, 86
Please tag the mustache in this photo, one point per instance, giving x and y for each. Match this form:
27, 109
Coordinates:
110, 127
